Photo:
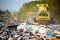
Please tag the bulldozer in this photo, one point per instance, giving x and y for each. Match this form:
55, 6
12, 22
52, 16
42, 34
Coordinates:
42, 15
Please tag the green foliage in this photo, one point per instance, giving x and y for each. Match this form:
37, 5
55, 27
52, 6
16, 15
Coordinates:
54, 5
30, 7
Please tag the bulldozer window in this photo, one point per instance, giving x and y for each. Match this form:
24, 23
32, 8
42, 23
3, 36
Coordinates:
43, 14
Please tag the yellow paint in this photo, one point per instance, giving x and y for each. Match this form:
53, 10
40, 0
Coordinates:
42, 19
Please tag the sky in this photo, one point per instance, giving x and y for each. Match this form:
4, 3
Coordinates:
12, 5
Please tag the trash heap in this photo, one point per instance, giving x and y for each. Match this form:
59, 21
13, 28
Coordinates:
31, 32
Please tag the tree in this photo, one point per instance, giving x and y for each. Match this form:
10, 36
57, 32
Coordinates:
30, 7
54, 5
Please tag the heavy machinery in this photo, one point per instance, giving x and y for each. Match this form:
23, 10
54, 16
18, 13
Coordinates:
42, 15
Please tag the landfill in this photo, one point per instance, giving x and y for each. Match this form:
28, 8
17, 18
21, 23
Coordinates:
25, 31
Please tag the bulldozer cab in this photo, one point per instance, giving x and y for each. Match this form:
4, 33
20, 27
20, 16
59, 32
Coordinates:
42, 14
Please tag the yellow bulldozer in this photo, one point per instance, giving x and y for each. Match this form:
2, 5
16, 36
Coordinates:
42, 15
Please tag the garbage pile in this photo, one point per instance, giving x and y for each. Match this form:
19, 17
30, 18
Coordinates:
31, 32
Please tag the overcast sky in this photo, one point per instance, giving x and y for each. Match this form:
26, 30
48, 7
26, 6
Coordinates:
12, 5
